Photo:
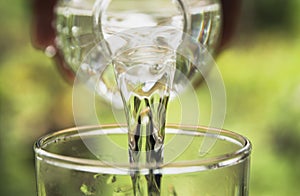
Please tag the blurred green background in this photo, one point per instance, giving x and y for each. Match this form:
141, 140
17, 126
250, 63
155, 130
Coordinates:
260, 70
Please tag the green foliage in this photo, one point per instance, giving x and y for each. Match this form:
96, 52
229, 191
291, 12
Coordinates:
262, 84
270, 13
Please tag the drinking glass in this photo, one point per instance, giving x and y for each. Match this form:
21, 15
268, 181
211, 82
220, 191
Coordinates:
93, 160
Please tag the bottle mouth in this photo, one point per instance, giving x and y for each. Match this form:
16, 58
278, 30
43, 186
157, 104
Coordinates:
230, 149
115, 16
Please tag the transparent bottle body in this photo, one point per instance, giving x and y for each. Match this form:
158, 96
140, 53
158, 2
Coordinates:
81, 25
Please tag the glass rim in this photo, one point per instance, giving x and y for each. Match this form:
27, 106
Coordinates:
85, 164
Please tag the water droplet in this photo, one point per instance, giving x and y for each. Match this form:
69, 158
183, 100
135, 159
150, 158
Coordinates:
50, 51
154, 69
75, 31
87, 69
59, 28
65, 30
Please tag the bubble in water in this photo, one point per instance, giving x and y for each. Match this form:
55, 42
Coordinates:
86, 190
96, 176
125, 190
111, 179
171, 191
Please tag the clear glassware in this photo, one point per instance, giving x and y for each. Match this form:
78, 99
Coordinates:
82, 24
94, 161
